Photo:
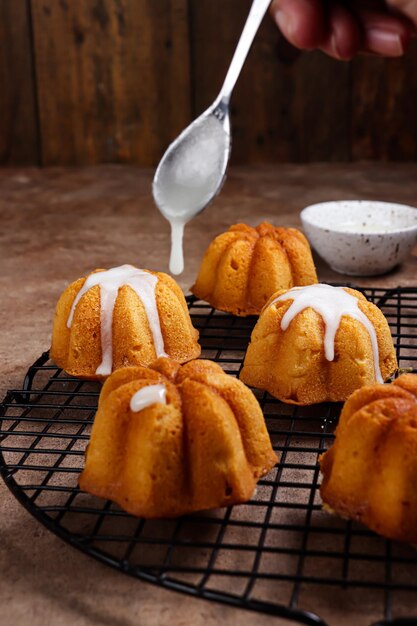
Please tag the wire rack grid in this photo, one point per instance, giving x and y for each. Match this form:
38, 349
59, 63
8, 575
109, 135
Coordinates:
279, 554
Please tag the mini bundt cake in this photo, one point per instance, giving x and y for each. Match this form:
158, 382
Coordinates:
370, 472
119, 317
170, 439
317, 344
243, 267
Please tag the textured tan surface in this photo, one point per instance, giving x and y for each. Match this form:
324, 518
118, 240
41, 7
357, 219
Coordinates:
59, 224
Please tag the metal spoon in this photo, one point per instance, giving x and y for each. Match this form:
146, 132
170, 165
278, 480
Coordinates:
192, 170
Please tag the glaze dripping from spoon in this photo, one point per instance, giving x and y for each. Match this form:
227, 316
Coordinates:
193, 169
189, 180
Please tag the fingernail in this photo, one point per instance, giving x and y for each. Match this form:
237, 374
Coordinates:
284, 22
384, 42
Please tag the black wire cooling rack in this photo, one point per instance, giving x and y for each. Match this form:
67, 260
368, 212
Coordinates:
279, 554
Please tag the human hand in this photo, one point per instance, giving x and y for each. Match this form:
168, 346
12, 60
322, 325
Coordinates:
342, 28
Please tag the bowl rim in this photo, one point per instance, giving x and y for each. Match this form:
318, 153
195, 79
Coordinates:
305, 218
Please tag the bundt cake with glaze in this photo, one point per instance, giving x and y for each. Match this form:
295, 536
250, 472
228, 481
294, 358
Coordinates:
120, 317
370, 472
170, 439
317, 344
244, 266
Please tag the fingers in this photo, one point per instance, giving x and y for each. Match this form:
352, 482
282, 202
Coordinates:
405, 7
343, 40
343, 29
301, 22
382, 33
305, 24
385, 35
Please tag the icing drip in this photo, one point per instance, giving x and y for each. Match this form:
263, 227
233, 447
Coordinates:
152, 394
332, 303
143, 284
176, 261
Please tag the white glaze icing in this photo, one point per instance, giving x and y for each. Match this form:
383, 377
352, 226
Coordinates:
152, 394
332, 303
176, 261
143, 284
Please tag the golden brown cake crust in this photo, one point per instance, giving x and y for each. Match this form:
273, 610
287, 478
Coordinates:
244, 266
369, 474
78, 349
291, 365
206, 448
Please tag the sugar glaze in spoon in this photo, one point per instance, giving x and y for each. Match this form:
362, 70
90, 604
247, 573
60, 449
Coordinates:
193, 169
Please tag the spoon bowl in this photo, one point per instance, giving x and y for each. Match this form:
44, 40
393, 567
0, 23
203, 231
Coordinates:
184, 182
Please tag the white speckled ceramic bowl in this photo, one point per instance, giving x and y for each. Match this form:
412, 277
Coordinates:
361, 237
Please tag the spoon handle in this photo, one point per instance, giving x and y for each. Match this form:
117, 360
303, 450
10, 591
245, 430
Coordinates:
256, 15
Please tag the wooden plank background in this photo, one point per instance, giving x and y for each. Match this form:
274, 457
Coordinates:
93, 81
19, 130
